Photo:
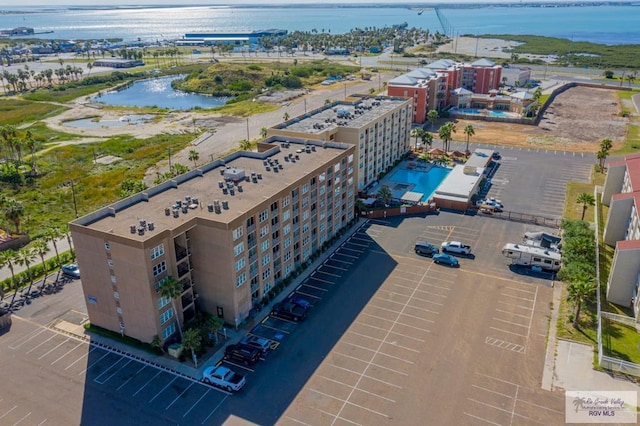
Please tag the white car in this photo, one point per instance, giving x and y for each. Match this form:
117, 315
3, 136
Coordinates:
224, 378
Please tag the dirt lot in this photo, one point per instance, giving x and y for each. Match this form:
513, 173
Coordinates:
577, 120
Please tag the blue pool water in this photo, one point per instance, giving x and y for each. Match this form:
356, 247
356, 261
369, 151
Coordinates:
488, 112
424, 182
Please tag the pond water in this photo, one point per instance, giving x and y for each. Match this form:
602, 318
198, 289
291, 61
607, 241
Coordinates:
157, 92
125, 120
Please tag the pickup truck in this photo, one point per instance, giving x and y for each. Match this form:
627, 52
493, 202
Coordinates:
455, 247
224, 378
289, 310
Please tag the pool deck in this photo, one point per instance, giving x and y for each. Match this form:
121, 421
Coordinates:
404, 190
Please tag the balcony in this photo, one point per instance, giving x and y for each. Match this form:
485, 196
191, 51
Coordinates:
181, 253
187, 299
183, 269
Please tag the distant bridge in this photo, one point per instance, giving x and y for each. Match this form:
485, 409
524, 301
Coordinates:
447, 29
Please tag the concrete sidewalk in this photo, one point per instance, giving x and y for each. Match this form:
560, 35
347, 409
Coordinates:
228, 336
63, 245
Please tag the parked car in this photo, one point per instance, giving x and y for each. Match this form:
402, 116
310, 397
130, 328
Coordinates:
71, 270
241, 353
455, 247
300, 301
446, 259
496, 155
426, 249
289, 310
224, 378
260, 343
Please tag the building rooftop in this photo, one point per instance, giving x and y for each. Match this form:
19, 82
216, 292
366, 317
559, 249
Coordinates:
343, 114
480, 158
628, 245
460, 183
219, 191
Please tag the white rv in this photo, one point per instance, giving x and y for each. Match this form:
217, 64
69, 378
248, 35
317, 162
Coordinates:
535, 257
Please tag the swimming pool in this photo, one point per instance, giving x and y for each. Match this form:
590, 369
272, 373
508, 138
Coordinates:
424, 182
486, 112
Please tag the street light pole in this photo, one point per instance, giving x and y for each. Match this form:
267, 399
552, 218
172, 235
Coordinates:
73, 195
248, 138
169, 148
305, 105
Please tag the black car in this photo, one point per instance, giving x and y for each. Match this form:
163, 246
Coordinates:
241, 353
426, 249
289, 310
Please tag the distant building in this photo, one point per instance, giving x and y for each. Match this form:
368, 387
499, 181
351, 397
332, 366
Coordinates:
207, 39
622, 229
433, 86
337, 51
18, 31
514, 76
118, 63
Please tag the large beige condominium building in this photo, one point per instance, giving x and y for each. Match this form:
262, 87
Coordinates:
379, 127
227, 231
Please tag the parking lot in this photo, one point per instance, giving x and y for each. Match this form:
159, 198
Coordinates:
453, 345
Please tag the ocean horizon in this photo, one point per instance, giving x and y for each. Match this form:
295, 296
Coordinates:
604, 24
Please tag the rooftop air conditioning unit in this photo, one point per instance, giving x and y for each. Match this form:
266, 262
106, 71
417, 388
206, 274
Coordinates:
151, 226
132, 228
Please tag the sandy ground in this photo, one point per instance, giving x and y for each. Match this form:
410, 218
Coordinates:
486, 47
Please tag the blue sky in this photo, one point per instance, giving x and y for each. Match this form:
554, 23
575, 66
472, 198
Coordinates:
228, 2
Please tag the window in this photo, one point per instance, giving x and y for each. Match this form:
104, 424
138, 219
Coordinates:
286, 229
288, 269
305, 188
266, 259
107, 247
286, 215
159, 268
305, 227
264, 246
241, 279
286, 243
264, 231
321, 190
251, 221
305, 215
157, 251
159, 283
274, 206
238, 249
267, 287
286, 201
237, 233
168, 331
266, 273
163, 301
305, 202
274, 221
305, 240
240, 263
166, 316
263, 216
287, 256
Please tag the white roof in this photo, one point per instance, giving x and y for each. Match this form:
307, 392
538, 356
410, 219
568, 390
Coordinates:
459, 185
404, 79
533, 250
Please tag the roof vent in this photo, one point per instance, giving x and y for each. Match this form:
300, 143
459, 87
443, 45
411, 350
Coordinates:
187, 199
239, 188
232, 191
141, 231
185, 209
143, 223
259, 175
179, 203
280, 166
132, 228
225, 204
167, 211
176, 213
151, 226
247, 179
268, 168
225, 191
210, 208
275, 170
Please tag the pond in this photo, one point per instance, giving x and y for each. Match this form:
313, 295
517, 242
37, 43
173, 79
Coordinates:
95, 123
157, 92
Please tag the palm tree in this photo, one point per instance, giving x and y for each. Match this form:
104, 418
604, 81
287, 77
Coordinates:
194, 156
605, 147
25, 257
192, 341
432, 116
580, 291
446, 132
263, 133
53, 235
13, 212
286, 116
9, 258
245, 145
469, 131
67, 234
427, 139
586, 200
385, 194
41, 247
172, 288
417, 133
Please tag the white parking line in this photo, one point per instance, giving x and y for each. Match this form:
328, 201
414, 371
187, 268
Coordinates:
399, 313
511, 322
482, 419
391, 293
113, 374
394, 332
516, 297
19, 421
215, 409
68, 352
492, 391
517, 306
332, 257
489, 405
541, 406
313, 286
297, 421
359, 390
81, 356
132, 376
162, 390
346, 401
319, 271
85, 370
381, 340
372, 363
377, 352
522, 289
532, 311
347, 255
148, 381
54, 348
505, 331
511, 313
194, 404
399, 323
178, 397
40, 344
10, 410
350, 249
418, 290
35, 333
404, 304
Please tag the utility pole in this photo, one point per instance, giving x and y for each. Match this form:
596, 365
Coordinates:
248, 138
73, 195
169, 148
305, 105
